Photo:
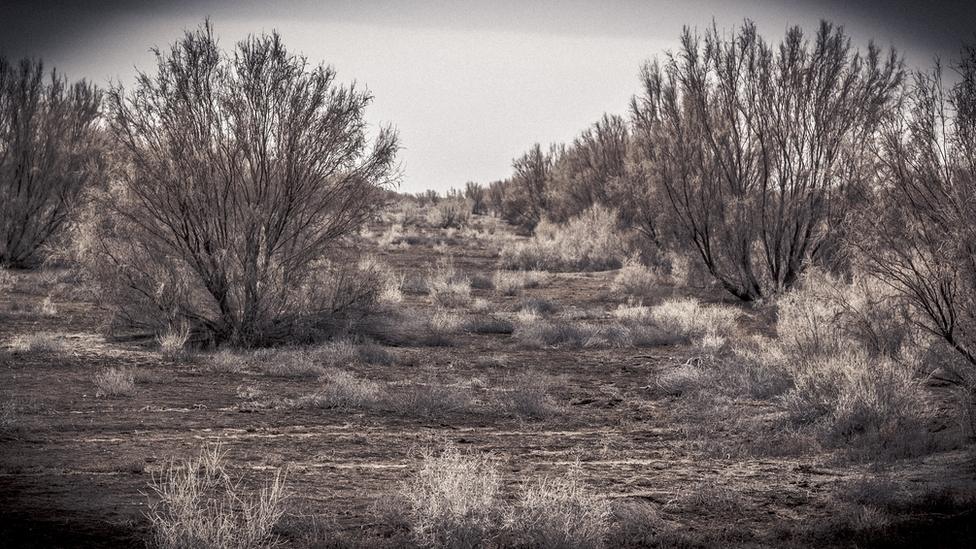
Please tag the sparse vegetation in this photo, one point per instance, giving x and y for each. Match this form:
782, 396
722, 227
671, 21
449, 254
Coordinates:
114, 382
589, 242
197, 503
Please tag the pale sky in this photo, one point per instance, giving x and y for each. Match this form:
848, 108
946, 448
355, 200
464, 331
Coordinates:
469, 85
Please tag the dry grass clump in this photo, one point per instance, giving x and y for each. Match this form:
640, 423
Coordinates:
689, 318
634, 279
589, 242
560, 513
7, 280
114, 382
341, 389
227, 361
288, 363
38, 342
9, 414
447, 286
427, 399
528, 396
198, 504
388, 281
852, 368
453, 500
489, 324
172, 342
533, 332
513, 282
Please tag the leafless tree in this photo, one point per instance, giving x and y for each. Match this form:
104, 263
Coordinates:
475, 194
920, 236
48, 156
526, 199
758, 147
245, 171
590, 170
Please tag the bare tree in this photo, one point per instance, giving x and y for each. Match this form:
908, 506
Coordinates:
592, 170
48, 156
757, 148
920, 237
526, 199
245, 170
475, 194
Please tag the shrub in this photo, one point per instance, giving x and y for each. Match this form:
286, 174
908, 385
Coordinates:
241, 245
561, 513
635, 279
450, 213
198, 504
344, 390
42, 342
589, 242
447, 286
288, 363
528, 396
511, 283
453, 500
114, 382
427, 399
172, 342
51, 154
689, 318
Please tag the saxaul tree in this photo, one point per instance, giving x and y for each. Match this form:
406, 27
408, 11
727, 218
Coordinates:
245, 170
919, 235
527, 197
49, 155
759, 148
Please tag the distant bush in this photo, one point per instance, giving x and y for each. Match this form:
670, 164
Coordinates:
636, 279
589, 242
241, 245
511, 283
448, 287
449, 213
51, 152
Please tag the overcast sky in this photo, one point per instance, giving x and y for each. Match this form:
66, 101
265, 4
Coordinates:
469, 85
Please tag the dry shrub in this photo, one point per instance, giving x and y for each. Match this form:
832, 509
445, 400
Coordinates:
38, 342
453, 500
7, 280
288, 363
489, 324
511, 283
427, 399
450, 213
388, 282
528, 396
558, 513
852, 363
342, 389
689, 318
589, 242
634, 279
448, 287
198, 504
114, 382
532, 332
227, 361
247, 245
172, 342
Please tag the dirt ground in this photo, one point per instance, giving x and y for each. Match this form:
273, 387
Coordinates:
74, 469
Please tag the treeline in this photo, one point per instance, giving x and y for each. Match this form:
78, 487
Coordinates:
763, 160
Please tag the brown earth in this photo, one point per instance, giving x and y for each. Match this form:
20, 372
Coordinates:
74, 471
